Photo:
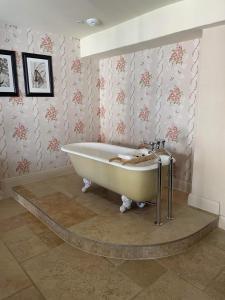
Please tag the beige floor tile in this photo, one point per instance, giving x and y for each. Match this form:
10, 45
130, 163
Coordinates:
70, 185
99, 204
23, 243
130, 228
186, 223
216, 238
24, 192
199, 265
171, 287
34, 223
4, 253
216, 288
95, 215
40, 188
30, 293
114, 261
64, 210
50, 239
12, 277
20, 220
67, 273
143, 272
119, 229
10, 224
9, 208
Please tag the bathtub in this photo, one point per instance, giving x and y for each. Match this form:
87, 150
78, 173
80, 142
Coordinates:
136, 183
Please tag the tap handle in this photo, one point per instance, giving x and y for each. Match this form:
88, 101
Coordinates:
152, 144
163, 143
158, 144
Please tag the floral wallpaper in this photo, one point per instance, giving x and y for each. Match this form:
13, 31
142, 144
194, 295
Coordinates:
33, 129
124, 99
152, 94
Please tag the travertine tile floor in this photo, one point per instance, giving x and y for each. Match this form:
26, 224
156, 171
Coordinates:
36, 264
95, 215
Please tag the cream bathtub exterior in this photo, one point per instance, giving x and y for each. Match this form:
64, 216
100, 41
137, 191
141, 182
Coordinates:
137, 182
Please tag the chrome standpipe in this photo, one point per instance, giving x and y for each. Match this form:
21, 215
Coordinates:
170, 185
170, 190
159, 187
158, 202
160, 144
154, 146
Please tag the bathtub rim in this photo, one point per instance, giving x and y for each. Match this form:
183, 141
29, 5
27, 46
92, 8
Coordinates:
152, 166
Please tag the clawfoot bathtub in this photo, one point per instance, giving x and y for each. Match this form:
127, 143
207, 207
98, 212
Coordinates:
135, 182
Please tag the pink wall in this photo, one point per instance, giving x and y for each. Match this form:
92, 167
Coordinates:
152, 94
32, 129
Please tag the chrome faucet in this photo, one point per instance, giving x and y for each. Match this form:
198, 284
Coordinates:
155, 145
158, 144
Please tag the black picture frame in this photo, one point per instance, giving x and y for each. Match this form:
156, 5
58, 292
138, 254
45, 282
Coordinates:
28, 89
11, 74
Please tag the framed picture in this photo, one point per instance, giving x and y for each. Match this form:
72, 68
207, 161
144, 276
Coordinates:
8, 74
38, 76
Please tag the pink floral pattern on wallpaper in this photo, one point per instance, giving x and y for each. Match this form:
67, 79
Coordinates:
20, 132
101, 138
151, 80
175, 95
76, 66
101, 83
78, 97
121, 64
36, 126
23, 166
51, 113
101, 112
145, 80
120, 128
79, 127
172, 134
120, 98
132, 109
177, 55
17, 100
47, 44
53, 145
144, 114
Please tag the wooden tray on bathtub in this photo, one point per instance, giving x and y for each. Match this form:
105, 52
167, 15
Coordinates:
135, 160
138, 159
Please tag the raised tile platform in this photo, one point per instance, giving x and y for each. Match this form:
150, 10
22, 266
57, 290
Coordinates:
92, 221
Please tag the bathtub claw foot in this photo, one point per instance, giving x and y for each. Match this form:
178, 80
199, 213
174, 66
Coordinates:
126, 204
87, 184
141, 204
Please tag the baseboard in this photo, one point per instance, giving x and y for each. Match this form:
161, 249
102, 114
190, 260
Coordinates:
8, 183
182, 185
222, 222
204, 204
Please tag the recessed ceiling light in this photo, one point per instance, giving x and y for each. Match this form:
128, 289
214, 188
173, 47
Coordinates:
90, 22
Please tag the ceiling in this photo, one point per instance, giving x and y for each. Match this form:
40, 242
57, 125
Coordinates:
60, 16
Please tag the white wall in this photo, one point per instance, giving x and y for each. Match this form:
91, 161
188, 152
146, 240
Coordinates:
174, 18
208, 183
